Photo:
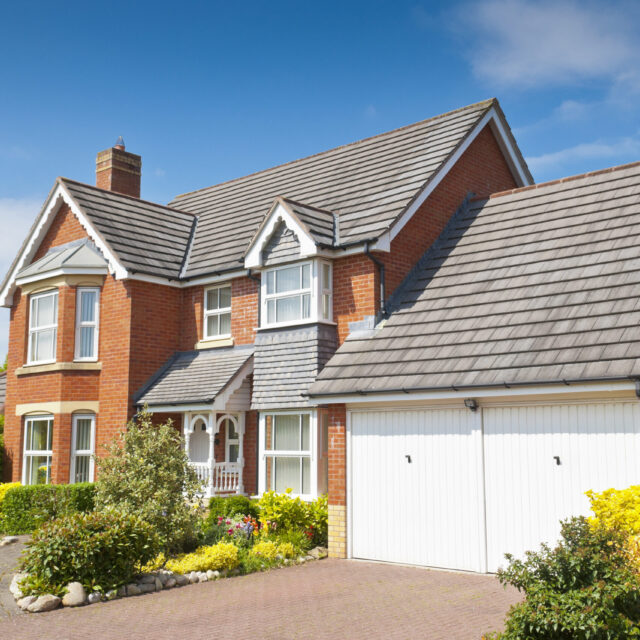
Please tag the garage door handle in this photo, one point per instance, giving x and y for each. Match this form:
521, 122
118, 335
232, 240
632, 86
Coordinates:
557, 459
408, 459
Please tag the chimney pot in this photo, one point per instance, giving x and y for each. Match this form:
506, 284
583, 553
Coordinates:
118, 170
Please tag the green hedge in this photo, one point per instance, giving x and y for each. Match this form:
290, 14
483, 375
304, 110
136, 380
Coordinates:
26, 508
230, 506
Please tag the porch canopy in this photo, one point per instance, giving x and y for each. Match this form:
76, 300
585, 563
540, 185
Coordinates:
194, 380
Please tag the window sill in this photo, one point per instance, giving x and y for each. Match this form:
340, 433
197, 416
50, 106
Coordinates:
58, 366
214, 343
297, 323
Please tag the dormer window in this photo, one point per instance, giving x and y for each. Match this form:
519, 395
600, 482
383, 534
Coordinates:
217, 312
297, 293
43, 327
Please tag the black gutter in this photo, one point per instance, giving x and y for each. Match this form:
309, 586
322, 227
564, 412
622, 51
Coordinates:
380, 265
502, 385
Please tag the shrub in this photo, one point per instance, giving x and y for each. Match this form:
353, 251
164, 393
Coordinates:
618, 509
25, 508
584, 588
4, 488
287, 550
319, 515
218, 557
100, 550
267, 550
237, 529
147, 473
230, 506
281, 512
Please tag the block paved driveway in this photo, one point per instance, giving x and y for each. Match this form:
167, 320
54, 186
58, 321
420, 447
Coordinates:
323, 599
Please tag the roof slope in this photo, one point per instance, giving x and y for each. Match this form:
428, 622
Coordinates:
319, 221
147, 238
80, 254
194, 376
538, 284
368, 183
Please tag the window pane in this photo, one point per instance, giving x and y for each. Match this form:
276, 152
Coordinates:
325, 306
306, 305
288, 309
83, 434
326, 276
305, 432
233, 435
271, 279
86, 342
306, 276
39, 436
271, 311
225, 297
287, 433
212, 326
212, 299
288, 279
82, 469
45, 345
87, 306
233, 452
38, 469
45, 310
287, 472
306, 475
225, 323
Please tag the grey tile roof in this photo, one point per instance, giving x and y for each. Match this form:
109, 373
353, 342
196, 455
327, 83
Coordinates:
286, 362
193, 376
367, 183
539, 284
80, 254
283, 245
146, 237
319, 222
3, 390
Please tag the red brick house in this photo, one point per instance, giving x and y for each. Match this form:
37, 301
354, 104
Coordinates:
224, 311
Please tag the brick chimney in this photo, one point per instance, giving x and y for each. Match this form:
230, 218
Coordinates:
118, 170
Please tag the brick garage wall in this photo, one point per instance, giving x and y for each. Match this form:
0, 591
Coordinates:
481, 169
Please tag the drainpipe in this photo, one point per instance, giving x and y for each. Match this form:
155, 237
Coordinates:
255, 278
380, 265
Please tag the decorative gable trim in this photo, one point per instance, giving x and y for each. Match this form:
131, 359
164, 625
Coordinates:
505, 141
280, 213
58, 196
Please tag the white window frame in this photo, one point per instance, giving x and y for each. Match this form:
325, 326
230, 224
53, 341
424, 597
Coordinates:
316, 290
32, 453
82, 452
32, 330
312, 453
216, 312
95, 324
227, 440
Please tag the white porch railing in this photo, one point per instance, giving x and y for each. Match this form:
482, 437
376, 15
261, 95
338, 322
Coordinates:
225, 477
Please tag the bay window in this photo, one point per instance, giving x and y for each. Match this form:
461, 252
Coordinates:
217, 312
83, 445
87, 314
297, 293
38, 450
43, 327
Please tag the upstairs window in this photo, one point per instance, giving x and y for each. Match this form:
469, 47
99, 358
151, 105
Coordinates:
43, 327
288, 293
87, 312
217, 312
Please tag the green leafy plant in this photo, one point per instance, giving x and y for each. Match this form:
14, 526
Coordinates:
25, 508
319, 516
281, 512
217, 557
583, 589
617, 508
147, 473
101, 550
230, 506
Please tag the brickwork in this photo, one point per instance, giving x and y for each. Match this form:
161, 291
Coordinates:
64, 228
337, 531
120, 171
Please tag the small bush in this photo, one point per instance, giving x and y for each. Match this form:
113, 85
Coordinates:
25, 508
319, 516
4, 488
147, 473
267, 550
618, 509
583, 589
230, 506
218, 557
287, 550
100, 550
281, 512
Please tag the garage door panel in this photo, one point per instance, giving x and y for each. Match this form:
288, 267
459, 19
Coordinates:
527, 492
426, 511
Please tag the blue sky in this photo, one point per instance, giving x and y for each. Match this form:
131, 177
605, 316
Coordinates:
207, 91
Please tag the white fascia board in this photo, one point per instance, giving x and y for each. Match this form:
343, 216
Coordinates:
58, 196
214, 279
64, 271
485, 392
505, 144
308, 247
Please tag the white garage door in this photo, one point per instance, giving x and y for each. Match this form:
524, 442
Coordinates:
477, 485
416, 479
